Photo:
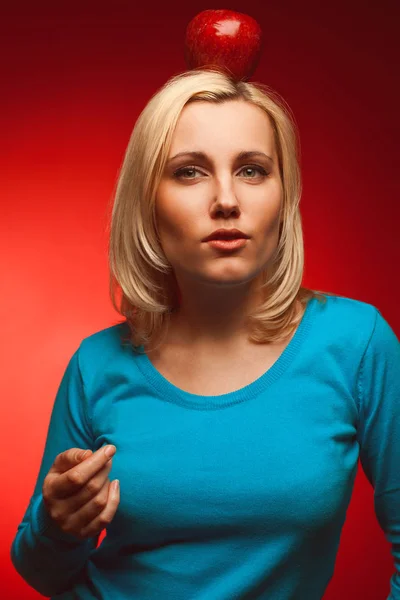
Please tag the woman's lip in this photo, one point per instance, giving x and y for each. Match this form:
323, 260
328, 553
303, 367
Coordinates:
227, 244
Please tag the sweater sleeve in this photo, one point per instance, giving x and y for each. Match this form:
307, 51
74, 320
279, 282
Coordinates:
379, 433
47, 558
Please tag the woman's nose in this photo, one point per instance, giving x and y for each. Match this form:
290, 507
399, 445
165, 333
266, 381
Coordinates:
225, 197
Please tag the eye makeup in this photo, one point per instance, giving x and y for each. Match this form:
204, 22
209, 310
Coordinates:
179, 173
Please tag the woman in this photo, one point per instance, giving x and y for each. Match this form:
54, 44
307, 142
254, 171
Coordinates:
238, 402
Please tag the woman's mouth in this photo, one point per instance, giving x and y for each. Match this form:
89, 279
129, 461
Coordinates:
232, 244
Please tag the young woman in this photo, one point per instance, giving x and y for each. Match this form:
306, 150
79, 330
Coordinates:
237, 402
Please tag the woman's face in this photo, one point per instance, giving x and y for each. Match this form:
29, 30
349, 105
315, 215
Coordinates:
199, 194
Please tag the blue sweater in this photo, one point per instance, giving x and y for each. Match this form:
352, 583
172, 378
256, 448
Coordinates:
236, 496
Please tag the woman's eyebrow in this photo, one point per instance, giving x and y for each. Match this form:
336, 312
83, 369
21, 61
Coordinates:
245, 154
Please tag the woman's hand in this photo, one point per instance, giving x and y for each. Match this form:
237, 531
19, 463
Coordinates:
78, 494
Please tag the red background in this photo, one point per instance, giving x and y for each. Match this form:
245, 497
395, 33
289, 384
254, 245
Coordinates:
75, 76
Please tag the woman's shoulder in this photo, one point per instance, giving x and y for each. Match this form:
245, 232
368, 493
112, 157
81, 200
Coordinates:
105, 344
349, 319
335, 304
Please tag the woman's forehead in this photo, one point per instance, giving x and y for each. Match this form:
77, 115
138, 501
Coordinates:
202, 110
224, 123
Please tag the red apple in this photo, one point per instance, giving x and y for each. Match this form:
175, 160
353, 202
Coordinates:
225, 39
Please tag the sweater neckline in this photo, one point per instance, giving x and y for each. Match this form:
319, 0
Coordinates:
172, 393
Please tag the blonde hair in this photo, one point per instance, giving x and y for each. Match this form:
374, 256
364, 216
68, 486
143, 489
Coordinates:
138, 266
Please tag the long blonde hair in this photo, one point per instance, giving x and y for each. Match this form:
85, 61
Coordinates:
142, 284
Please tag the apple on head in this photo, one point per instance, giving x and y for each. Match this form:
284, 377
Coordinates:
223, 39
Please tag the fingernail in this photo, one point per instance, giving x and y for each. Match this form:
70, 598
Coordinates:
110, 451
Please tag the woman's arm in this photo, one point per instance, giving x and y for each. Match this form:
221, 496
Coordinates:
46, 557
379, 433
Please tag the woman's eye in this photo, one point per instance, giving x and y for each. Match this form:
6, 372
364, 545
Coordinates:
180, 172
190, 172
260, 170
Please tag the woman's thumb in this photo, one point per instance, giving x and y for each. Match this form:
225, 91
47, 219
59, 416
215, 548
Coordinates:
69, 458
84, 454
